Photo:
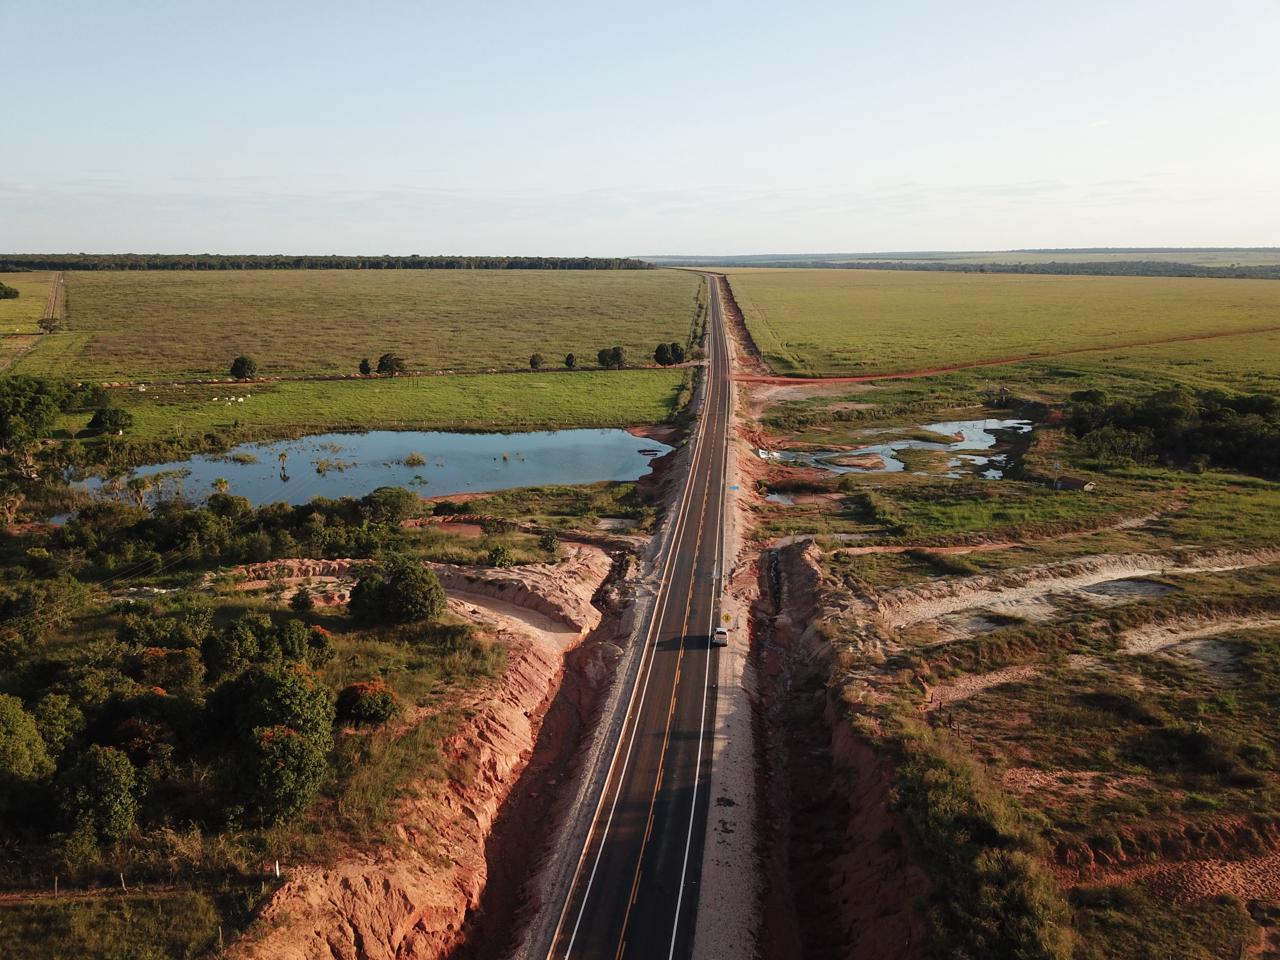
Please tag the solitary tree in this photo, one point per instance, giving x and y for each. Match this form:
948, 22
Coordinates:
366, 367
604, 358
662, 355
111, 420
283, 770
244, 368
302, 601
98, 793
617, 357
390, 363
7, 292
535, 362
570, 361
399, 590
500, 556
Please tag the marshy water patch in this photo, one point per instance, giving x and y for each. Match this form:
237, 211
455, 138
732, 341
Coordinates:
969, 439
433, 463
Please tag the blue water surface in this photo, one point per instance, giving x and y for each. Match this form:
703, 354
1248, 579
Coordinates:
353, 464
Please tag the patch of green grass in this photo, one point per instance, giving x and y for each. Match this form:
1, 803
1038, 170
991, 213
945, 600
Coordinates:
1127, 923
154, 325
832, 322
570, 507
22, 315
479, 402
161, 926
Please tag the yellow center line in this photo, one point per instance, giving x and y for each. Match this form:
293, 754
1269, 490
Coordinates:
666, 734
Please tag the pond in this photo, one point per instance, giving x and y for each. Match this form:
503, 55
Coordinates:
433, 464
970, 436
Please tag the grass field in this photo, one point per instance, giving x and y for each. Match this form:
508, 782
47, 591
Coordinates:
23, 314
832, 322
513, 401
170, 324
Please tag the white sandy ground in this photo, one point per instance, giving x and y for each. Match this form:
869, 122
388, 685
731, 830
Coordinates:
911, 605
1194, 638
1156, 639
731, 888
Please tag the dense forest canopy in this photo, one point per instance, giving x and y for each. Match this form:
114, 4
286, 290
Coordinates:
1181, 427
218, 261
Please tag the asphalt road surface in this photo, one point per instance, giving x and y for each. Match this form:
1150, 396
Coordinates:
635, 892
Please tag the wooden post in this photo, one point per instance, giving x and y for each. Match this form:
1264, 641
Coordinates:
122, 886
55, 885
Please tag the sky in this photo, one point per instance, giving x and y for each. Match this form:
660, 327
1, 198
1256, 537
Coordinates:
566, 128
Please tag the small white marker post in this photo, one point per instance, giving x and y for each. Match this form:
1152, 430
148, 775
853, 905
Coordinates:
277, 869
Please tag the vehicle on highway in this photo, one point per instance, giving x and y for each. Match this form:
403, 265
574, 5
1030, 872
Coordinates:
720, 638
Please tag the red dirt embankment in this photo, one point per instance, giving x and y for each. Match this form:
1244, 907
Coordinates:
411, 899
851, 889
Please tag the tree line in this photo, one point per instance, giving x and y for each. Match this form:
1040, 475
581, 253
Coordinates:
612, 358
210, 261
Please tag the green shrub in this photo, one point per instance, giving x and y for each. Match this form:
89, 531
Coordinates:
371, 702
23, 755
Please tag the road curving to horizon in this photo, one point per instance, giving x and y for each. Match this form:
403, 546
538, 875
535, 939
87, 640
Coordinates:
634, 892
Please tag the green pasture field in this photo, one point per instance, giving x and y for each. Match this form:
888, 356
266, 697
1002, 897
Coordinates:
835, 322
511, 401
152, 325
23, 314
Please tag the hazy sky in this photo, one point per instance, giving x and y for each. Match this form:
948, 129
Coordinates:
603, 128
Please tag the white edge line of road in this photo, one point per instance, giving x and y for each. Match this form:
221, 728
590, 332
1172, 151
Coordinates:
706, 679
655, 617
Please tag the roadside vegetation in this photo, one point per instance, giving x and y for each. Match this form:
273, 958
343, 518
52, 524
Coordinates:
159, 733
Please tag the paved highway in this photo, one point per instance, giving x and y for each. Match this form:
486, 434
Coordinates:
635, 891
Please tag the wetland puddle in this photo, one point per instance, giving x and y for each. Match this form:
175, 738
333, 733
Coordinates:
970, 437
431, 463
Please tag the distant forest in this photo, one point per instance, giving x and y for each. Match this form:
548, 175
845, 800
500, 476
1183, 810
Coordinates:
11, 262
1104, 268
1251, 263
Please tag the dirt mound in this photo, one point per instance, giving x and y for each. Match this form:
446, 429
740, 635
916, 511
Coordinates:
561, 590
970, 686
1184, 864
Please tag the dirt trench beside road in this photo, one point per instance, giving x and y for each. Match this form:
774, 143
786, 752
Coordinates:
419, 897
